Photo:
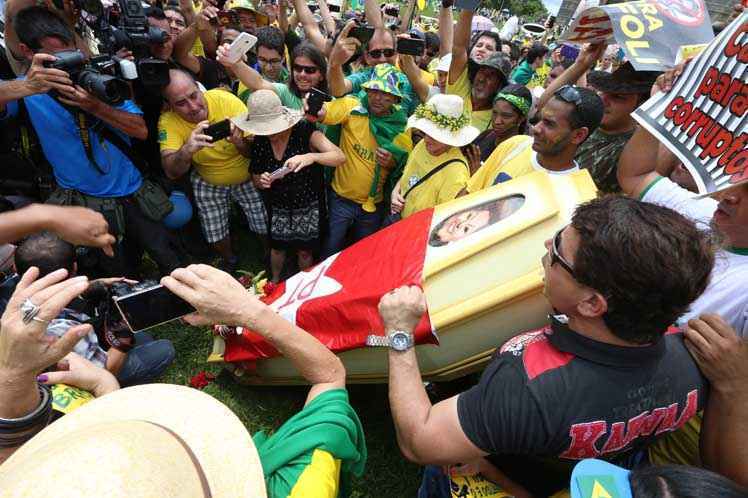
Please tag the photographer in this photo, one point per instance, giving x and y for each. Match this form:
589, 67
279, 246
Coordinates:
132, 358
87, 142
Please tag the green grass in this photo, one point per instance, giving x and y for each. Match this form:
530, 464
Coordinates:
388, 474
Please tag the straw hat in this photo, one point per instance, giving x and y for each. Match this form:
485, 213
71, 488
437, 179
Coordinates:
144, 441
266, 115
260, 18
443, 118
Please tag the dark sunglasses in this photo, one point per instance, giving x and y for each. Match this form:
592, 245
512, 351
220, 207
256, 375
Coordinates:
569, 94
376, 54
556, 254
305, 69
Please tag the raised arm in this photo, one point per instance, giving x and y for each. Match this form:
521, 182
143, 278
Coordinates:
405, 16
413, 72
247, 75
219, 298
373, 14
306, 18
446, 29
461, 45
327, 19
183, 49
343, 50
585, 61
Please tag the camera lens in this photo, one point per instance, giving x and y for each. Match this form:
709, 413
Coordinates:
107, 88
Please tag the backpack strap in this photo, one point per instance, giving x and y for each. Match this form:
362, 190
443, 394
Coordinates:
432, 173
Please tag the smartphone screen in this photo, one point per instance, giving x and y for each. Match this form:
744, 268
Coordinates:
315, 101
150, 307
410, 46
219, 131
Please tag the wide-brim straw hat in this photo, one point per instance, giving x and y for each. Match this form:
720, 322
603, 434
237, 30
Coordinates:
443, 118
266, 115
145, 441
260, 18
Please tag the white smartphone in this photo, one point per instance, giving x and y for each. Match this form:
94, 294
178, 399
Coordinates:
243, 44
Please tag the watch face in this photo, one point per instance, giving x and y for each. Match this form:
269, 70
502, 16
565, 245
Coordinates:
400, 341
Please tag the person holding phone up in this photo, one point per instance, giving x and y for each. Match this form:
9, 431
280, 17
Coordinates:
220, 161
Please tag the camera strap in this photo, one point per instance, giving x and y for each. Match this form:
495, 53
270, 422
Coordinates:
80, 121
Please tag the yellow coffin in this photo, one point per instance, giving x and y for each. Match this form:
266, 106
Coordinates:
482, 288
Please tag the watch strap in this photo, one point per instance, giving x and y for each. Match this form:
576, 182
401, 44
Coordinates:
377, 340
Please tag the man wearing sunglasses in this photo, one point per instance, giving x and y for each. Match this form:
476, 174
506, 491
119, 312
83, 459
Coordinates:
379, 50
603, 380
566, 121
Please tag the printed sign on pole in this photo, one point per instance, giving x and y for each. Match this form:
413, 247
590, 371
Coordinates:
649, 31
702, 120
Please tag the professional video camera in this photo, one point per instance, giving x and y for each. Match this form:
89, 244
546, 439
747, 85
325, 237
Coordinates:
97, 76
127, 27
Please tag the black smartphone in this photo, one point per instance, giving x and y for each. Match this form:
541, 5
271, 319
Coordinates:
410, 46
362, 32
467, 4
218, 131
315, 100
150, 307
392, 11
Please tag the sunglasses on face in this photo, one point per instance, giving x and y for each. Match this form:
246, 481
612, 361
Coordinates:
376, 54
305, 69
568, 94
556, 254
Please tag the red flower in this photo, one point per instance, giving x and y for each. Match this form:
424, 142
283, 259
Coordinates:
269, 288
202, 379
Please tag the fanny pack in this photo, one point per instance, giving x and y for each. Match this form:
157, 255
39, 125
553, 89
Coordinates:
153, 201
109, 207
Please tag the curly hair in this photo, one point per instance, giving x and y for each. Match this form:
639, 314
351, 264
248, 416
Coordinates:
648, 261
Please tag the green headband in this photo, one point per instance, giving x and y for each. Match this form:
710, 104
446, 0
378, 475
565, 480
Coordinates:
521, 104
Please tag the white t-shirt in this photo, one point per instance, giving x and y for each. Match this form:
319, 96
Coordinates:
727, 292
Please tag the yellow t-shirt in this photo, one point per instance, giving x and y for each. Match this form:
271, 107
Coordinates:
221, 164
353, 179
511, 159
463, 88
441, 187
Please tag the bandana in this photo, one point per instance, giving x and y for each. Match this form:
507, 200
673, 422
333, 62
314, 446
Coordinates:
521, 104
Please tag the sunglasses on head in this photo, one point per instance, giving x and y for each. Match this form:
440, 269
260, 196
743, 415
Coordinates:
376, 54
556, 254
305, 69
569, 94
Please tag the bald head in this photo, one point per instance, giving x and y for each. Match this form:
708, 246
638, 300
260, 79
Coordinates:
184, 96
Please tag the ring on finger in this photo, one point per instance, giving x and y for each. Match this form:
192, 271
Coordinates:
37, 319
29, 310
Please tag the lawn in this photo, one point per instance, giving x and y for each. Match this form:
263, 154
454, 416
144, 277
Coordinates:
388, 474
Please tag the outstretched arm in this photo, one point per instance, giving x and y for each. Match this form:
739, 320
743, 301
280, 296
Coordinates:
373, 14
461, 45
446, 31
219, 298
306, 18
586, 60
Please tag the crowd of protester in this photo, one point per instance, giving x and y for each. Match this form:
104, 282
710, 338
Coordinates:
635, 384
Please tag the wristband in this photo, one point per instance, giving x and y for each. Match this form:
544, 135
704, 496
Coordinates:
16, 431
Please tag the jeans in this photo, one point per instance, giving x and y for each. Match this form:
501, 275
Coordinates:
435, 483
345, 215
146, 361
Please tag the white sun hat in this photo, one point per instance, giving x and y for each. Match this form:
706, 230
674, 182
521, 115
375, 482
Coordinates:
266, 115
444, 63
444, 119
155, 440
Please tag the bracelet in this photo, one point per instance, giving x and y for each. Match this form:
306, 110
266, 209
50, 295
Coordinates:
16, 431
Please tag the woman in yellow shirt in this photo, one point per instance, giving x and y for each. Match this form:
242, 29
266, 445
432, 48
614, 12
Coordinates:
436, 169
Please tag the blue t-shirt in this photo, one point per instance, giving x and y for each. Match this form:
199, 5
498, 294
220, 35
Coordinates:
62, 146
410, 97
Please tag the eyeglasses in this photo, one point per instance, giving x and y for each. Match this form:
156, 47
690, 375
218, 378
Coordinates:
305, 69
376, 54
556, 254
269, 62
569, 94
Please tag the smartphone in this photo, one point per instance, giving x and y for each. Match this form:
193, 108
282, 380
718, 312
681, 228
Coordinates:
362, 32
569, 52
410, 46
392, 11
467, 4
218, 131
279, 173
243, 43
315, 100
150, 307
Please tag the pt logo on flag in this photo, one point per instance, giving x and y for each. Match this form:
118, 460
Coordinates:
305, 286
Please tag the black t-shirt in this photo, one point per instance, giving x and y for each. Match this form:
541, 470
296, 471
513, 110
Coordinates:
295, 190
555, 394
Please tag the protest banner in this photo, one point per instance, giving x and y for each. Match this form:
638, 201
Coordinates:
650, 32
702, 120
477, 258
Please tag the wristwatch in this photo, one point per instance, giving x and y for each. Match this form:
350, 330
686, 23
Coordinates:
399, 340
